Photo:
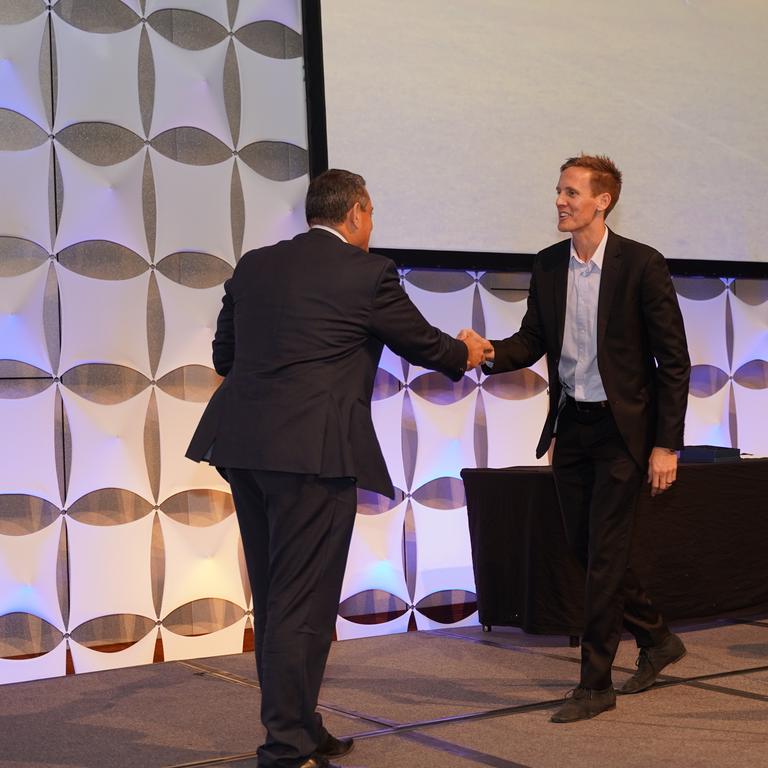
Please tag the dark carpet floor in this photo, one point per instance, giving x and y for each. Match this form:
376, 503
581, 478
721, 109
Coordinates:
454, 697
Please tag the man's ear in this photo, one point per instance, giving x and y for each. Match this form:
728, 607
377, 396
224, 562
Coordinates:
355, 215
603, 201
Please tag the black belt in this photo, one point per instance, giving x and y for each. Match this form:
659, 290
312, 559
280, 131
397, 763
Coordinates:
584, 406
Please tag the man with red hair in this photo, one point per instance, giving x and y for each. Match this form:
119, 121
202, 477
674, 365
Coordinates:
604, 311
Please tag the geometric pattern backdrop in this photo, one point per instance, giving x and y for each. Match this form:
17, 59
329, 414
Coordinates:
145, 144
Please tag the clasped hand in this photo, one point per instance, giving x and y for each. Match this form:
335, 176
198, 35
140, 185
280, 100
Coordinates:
479, 350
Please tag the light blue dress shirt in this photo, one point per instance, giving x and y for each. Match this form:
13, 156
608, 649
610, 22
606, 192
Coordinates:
578, 370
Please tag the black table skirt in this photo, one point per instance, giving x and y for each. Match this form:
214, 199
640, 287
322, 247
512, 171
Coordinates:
700, 549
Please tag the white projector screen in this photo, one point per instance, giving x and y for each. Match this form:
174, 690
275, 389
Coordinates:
460, 112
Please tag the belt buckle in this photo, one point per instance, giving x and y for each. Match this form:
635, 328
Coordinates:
587, 406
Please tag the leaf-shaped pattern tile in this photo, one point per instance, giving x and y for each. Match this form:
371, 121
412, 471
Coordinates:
15, 369
21, 514
271, 38
18, 256
706, 380
202, 616
119, 630
29, 634
104, 383
20, 11
287, 12
237, 212
146, 80
17, 388
372, 607
370, 503
440, 389
232, 93
449, 606
192, 146
385, 385
155, 324
100, 143
187, 29
199, 507
151, 441
442, 493
753, 375
191, 382
699, 288
510, 286
109, 506
276, 160
752, 292
438, 280
515, 385
18, 132
195, 270
102, 260
105, 16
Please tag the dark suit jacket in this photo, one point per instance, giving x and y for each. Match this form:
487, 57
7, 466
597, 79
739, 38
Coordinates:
299, 338
642, 353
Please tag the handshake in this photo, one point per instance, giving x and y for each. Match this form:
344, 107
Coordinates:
479, 350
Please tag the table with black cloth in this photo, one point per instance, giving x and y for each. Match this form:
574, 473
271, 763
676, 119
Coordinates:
700, 548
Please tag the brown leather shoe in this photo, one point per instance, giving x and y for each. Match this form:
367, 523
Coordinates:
584, 703
330, 746
651, 661
318, 761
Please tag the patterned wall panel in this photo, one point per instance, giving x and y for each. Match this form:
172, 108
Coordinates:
29, 444
28, 574
144, 145
109, 570
100, 202
20, 82
22, 332
125, 206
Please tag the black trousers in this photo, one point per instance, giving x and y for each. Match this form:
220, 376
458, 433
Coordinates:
598, 485
296, 531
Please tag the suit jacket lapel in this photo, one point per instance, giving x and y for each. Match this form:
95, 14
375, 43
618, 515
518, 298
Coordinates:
608, 282
560, 279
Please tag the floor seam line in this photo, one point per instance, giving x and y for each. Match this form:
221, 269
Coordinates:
467, 753
394, 728
574, 660
412, 730
729, 691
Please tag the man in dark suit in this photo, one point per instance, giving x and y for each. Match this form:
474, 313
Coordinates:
604, 311
299, 339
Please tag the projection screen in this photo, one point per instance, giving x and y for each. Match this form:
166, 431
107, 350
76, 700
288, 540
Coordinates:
460, 112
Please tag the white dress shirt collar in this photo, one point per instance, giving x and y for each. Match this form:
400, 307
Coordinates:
330, 229
597, 256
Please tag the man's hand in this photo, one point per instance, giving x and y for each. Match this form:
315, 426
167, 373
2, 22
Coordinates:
477, 347
662, 469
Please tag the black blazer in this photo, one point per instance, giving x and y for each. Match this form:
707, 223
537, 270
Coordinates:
299, 338
642, 353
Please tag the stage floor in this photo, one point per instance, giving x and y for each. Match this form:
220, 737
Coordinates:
454, 697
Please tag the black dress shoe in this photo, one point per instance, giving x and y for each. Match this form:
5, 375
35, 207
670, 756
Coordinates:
330, 746
651, 661
585, 703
